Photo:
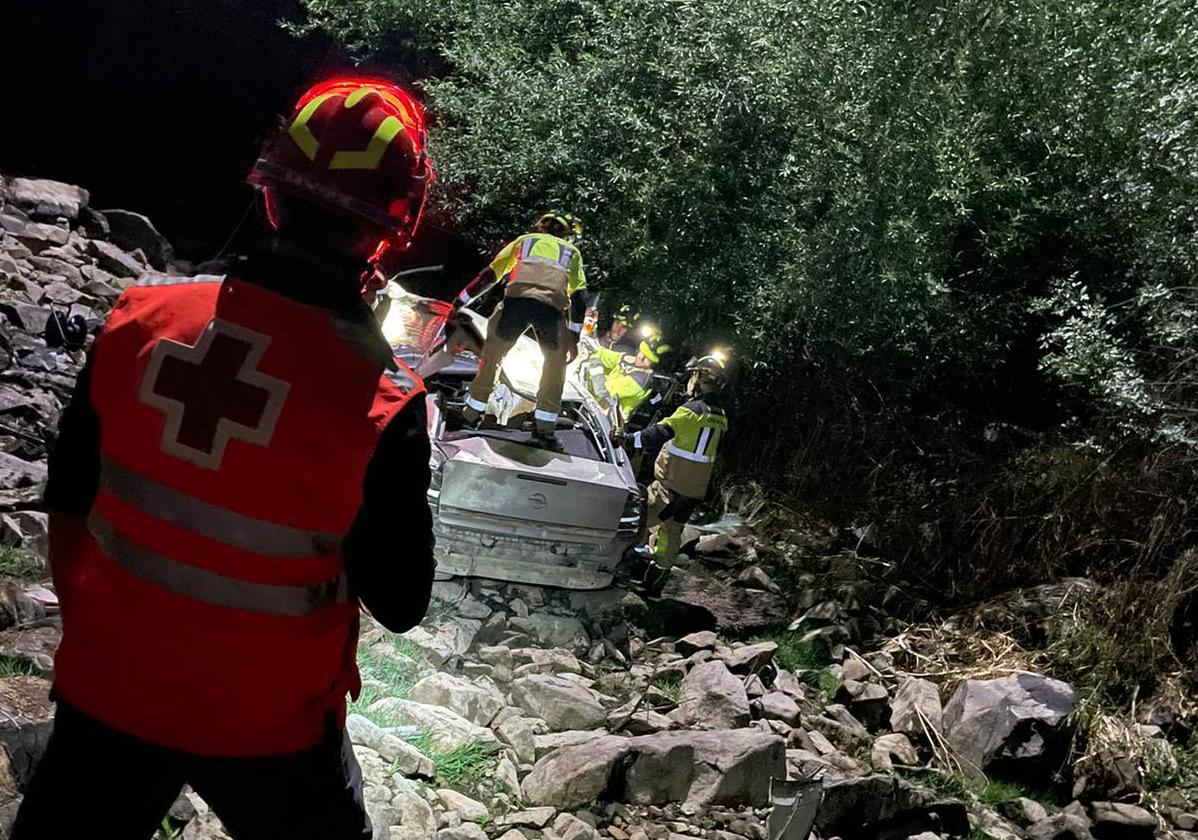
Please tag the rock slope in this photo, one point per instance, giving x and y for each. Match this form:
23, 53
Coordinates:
515, 712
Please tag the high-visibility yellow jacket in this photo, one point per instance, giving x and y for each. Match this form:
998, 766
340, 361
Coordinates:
625, 382
686, 445
542, 267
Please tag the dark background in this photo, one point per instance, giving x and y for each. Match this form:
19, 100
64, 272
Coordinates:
159, 106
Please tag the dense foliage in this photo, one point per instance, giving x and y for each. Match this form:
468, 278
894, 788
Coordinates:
954, 243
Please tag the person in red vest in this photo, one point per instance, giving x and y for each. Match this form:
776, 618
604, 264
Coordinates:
243, 463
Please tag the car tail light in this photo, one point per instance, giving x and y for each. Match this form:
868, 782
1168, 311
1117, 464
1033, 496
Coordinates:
436, 466
630, 518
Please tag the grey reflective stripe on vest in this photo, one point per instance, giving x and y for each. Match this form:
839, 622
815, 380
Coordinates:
209, 587
213, 521
565, 252
673, 449
160, 280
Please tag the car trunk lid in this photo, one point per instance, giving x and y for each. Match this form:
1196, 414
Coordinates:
511, 480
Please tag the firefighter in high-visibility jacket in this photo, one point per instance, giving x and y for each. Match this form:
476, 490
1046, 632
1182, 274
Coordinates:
682, 449
620, 335
625, 378
243, 465
543, 280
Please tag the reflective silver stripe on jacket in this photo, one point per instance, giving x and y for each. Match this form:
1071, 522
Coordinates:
210, 587
213, 521
162, 280
690, 456
564, 254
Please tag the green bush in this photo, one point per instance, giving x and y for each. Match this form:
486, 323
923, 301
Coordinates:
949, 239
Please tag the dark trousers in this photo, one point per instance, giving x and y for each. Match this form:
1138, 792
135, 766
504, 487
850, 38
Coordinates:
125, 786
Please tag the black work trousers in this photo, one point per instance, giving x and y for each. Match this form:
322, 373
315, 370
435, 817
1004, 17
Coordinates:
124, 786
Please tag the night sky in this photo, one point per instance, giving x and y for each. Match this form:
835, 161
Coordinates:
159, 106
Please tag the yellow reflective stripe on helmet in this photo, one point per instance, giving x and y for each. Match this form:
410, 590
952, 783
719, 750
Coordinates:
372, 155
299, 131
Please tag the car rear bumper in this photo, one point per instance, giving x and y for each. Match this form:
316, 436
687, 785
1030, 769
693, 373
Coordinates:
542, 561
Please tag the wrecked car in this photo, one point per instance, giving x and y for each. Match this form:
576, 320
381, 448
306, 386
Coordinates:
504, 508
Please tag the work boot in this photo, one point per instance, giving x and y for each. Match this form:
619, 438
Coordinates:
546, 440
655, 579
637, 558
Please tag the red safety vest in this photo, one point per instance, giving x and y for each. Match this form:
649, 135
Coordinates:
209, 611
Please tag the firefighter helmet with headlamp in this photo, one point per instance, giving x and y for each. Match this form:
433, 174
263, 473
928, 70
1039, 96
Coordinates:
561, 225
711, 369
653, 345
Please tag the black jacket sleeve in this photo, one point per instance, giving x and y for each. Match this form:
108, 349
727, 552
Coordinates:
389, 549
578, 307
650, 441
73, 472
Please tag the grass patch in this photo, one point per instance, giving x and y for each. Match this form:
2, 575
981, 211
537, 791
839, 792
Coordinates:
671, 687
1120, 645
808, 659
461, 769
16, 666
1177, 770
17, 563
827, 684
408, 648
367, 698
796, 653
989, 792
397, 675
995, 792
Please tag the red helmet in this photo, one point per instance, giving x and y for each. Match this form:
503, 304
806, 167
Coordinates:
355, 145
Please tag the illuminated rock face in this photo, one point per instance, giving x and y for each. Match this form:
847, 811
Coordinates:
699, 768
559, 701
477, 703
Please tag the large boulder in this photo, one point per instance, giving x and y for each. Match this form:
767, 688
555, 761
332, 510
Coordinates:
403, 756
519, 733
477, 703
712, 698
451, 637
113, 260
915, 706
863, 808
547, 743
26, 718
1121, 821
45, 199
698, 768
559, 631
749, 659
34, 642
448, 730
559, 701
133, 231
775, 705
1014, 727
17, 472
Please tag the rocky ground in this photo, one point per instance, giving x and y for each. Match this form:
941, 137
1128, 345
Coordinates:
775, 658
